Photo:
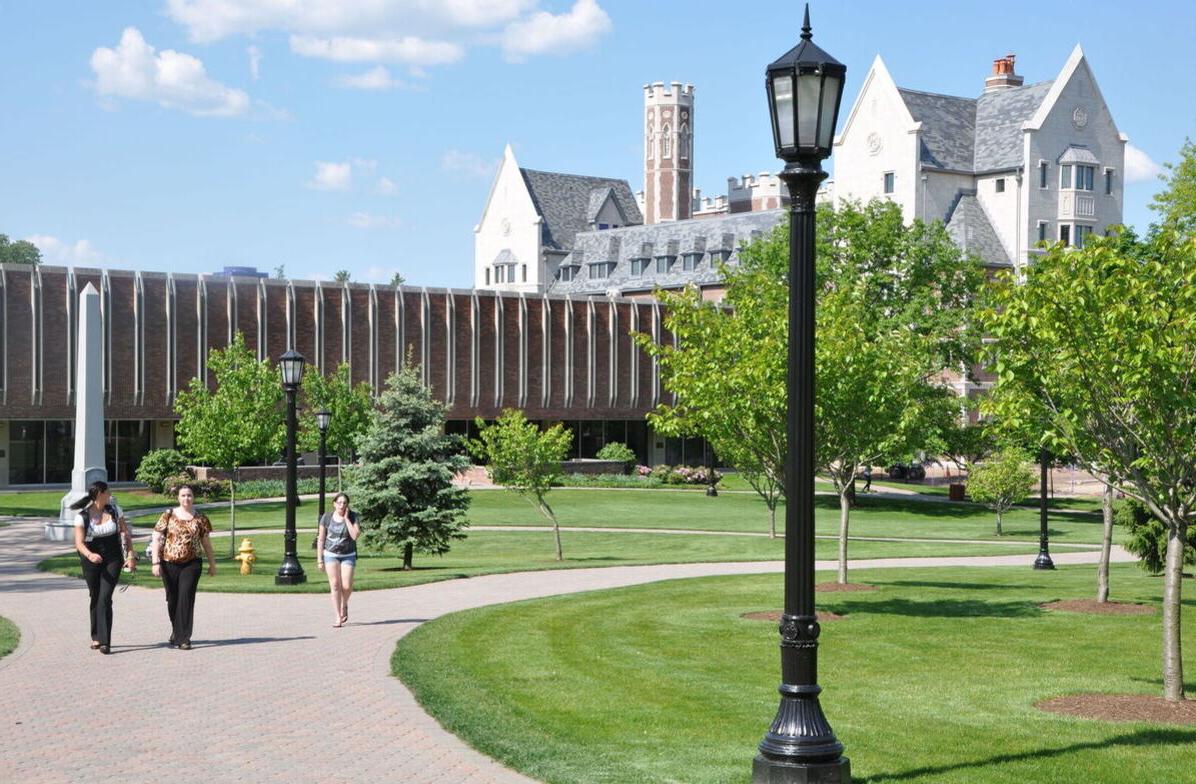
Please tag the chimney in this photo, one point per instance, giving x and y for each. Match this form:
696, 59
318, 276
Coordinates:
1002, 76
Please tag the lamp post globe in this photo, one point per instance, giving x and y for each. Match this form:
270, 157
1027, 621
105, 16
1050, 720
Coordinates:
805, 88
291, 365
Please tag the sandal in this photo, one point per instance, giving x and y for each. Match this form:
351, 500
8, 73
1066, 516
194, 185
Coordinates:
95, 645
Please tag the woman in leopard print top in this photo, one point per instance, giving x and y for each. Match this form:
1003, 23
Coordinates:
179, 536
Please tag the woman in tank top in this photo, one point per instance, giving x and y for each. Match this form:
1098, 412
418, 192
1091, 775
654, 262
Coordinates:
100, 530
336, 549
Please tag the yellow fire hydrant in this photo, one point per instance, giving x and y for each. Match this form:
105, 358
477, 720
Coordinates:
246, 556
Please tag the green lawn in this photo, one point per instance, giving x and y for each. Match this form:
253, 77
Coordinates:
488, 552
929, 679
9, 637
45, 503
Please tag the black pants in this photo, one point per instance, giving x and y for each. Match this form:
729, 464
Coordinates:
180, 581
101, 582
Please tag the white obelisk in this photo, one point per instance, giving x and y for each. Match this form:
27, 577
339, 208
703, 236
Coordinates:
89, 416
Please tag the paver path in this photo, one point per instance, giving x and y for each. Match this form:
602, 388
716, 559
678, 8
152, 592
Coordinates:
254, 700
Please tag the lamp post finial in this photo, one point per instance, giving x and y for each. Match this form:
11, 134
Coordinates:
806, 32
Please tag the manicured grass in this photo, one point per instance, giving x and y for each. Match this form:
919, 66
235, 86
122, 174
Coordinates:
45, 503
9, 637
488, 552
930, 678
743, 512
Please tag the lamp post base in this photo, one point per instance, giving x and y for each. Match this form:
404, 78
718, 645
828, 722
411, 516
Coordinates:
290, 573
770, 771
1043, 561
711, 491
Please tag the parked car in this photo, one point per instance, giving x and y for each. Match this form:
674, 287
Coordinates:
912, 472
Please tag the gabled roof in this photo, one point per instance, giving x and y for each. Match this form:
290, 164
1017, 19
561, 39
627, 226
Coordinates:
948, 128
968, 225
999, 119
564, 202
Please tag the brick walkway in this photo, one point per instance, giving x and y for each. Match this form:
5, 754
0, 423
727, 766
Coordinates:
269, 687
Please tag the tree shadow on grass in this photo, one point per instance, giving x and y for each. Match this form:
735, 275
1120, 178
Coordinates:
1189, 686
938, 608
954, 586
916, 507
1139, 738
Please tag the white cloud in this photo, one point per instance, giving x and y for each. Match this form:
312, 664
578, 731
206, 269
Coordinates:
400, 49
255, 62
331, 176
386, 187
468, 163
366, 220
545, 33
69, 254
377, 78
169, 78
1138, 165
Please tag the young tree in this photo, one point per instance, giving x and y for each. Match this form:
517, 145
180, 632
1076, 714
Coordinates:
19, 252
342, 276
397, 279
403, 488
966, 444
240, 423
525, 459
349, 405
1102, 340
1176, 203
1001, 481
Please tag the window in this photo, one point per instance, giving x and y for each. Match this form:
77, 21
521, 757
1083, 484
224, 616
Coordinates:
1065, 233
666, 142
690, 261
1108, 182
1042, 174
664, 263
683, 142
1082, 233
567, 273
525, 273
1000, 185
1085, 177
1065, 176
639, 266
500, 273
719, 256
487, 276
1042, 231
889, 182
602, 226
601, 269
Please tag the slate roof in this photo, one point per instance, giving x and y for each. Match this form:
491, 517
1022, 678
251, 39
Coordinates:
704, 236
974, 134
564, 201
969, 227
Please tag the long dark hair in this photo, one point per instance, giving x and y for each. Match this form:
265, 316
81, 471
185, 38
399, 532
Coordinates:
93, 491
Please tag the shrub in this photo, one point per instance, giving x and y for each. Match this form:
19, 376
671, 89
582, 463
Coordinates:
158, 465
685, 475
1147, 537
617, 451
206, 489
607, 480
662, 472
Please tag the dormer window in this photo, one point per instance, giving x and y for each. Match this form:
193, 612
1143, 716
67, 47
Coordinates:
567, 273
719, 256
640, 265
664, 264
690, 261
601, 269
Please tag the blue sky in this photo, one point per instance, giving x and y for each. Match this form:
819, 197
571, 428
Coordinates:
186, 135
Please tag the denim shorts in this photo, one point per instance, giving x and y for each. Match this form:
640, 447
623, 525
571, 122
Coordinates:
348, 558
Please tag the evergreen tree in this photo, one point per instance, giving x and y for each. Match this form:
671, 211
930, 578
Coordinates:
403, 489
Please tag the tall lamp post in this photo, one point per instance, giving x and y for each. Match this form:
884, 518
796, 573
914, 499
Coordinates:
323, 417
290, 572
805, 87
1043, 561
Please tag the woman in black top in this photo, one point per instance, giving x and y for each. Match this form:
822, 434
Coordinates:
336, 549
100, 529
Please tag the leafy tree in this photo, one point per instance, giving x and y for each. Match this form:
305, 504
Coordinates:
397, 279
1099, 342
966, 444
280, 272
240, 423
349, 405
1147, 537
1001, 481
1176, 203
342, 276
403, 487
525, 459
19, 252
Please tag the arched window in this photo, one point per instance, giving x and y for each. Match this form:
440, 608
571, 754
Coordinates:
683, 143
666, 142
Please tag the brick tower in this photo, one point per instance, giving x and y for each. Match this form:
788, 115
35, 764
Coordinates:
668, 151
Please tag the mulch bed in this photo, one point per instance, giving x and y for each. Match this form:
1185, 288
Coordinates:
1093, 607
775, 617
843, 587
1122, 707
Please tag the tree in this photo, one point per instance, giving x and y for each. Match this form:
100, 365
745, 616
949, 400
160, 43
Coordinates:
1001, 481
280, 272
525, 459
19, 252
403, 487
1176, 203
1146, 537
397, 279
349, 405
966, 444
342, 276
240, 423
1099, 342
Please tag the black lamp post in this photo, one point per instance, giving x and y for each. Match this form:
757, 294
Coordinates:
805, 87
290, 572
1043, 561
711, 490
323, 417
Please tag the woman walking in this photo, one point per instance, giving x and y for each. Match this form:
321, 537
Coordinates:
100, 530
336, 548
179, 536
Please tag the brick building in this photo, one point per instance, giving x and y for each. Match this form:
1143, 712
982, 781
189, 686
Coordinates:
556, 358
